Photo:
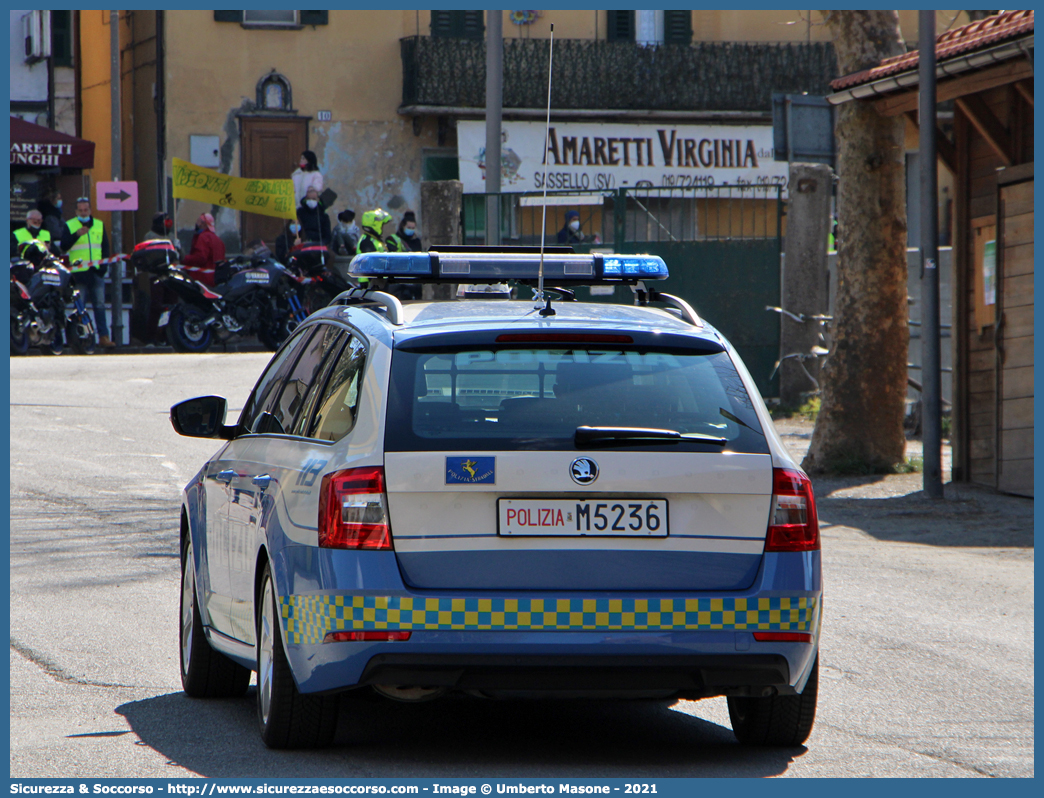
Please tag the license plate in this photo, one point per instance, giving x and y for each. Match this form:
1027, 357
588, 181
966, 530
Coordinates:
611, 517
163, 319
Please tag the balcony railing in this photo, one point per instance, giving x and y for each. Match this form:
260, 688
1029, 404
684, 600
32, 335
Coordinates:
590, 74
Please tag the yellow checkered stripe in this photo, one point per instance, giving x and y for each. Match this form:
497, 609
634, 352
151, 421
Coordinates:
308, 618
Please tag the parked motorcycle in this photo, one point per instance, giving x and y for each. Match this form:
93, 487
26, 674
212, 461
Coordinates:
42, 290
320, 282
254, 295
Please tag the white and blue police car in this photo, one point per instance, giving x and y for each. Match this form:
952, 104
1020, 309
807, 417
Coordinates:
503, 499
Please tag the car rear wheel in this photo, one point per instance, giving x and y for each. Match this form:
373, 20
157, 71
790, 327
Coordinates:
779, 720
287, 718
205, 673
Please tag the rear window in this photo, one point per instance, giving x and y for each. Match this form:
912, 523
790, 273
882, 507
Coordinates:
510, 398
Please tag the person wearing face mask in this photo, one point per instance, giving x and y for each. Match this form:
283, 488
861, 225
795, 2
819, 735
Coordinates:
314, 220
306, 176
406, 238
287, 241
570, 232
207, 249
33, 231
84, 241
345, 237
51, 208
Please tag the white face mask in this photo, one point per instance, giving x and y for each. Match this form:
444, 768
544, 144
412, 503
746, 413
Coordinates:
574, 225
311, 203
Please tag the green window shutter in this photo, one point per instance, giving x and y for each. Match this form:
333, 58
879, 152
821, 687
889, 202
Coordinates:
457, 24
315, 17
442, 24
61, 38
228, 16
621, 26
472, 24
677, 27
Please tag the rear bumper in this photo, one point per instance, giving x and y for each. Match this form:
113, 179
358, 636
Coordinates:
693, 676
693, 643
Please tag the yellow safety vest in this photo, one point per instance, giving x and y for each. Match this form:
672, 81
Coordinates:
23, 236
378, 245
87, 247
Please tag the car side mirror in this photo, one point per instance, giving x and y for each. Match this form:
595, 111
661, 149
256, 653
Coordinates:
202, 417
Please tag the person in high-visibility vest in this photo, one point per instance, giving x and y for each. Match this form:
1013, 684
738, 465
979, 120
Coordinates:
33, 231
86, 243
372, 224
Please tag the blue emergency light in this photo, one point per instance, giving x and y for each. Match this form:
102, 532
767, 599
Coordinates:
499, 267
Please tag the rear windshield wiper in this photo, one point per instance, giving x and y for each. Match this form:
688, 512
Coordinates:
588, 435
739, 420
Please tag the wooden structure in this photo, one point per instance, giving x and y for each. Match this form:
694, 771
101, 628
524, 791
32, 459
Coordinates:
986, 69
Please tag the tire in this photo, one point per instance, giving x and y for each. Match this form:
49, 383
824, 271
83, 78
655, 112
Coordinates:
317, 297
185, 330
54, 346
272, 336
81, 341
784, 720
19, 340
287, 718
205, 673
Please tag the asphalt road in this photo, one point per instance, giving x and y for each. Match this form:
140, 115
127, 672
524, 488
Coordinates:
927, 648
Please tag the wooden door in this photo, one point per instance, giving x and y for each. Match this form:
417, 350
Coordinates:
1015, 340
271, 150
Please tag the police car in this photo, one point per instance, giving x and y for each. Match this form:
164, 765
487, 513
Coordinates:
503, 498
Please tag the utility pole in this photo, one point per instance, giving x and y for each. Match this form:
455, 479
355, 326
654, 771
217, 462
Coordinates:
930, 341
116, 270
494, 115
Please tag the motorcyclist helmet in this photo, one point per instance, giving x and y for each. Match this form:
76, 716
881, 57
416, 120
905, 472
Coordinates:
373, 221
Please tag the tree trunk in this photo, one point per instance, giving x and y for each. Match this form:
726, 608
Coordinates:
860, 422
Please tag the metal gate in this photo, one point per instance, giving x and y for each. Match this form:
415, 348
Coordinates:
721, 243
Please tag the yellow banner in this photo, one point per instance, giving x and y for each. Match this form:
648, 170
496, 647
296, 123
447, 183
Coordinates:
267, 197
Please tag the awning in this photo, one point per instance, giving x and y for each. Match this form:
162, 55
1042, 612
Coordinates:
34, 147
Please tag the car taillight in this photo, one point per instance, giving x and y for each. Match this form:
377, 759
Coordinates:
358, 637
780, 637
793, 525
353, 513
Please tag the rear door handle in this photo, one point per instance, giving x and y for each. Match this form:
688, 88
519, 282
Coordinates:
262, 480
225, 476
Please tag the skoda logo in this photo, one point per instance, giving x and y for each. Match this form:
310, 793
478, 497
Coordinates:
583, 470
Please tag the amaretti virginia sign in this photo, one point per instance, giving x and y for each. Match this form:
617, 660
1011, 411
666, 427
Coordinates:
584, 156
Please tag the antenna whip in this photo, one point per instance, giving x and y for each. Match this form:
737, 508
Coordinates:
547, 132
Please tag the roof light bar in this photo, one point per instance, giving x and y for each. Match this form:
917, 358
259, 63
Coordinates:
484, 267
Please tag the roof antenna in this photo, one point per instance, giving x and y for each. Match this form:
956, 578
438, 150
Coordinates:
546, 310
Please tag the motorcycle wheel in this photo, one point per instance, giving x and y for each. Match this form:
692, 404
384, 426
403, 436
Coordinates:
186, 331
316, 298
80, 335
272, 335
19, 337
54, 346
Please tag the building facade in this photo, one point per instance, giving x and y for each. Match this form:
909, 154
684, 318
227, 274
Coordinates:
377, 95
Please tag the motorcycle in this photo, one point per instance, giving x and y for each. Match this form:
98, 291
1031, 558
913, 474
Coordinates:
320, 282
41, 292
254, 295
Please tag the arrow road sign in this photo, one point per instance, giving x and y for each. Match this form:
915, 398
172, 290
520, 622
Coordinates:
120, 195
